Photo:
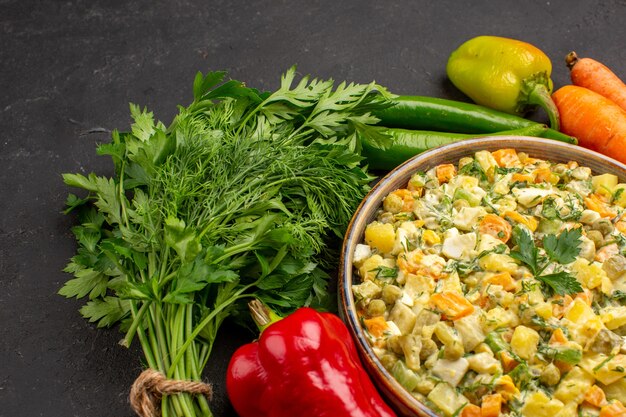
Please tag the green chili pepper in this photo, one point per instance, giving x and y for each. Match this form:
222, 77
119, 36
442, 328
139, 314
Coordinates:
431, 113
504, 74
407, 143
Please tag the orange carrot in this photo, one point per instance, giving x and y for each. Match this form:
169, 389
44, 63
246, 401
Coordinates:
508, 362
597, 122
595, 396
506, 387
558, 337
445, 172
454, 306
615, 409
491, 405
517, 177
596, 203
504, 279
495, 226
591, 74
470, 410
376, 325
506, 157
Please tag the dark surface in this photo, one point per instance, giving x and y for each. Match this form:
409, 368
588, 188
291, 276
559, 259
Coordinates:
68, 71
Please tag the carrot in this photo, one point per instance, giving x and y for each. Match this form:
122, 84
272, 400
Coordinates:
495, 226
597, 122
506, 157
558, 337
615, 409
591, 74
595, 396
506, 387
504, 279
491, 405
454, 306
508, 361
545, 175
596, 203
445, 172
470, 410
517, 177
558, 308
528, 221
376, 326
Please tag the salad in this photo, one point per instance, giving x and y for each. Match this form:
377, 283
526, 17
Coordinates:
497, 287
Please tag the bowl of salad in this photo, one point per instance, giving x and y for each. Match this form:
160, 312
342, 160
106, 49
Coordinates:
488, 278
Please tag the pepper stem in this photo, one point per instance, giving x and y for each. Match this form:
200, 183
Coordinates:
539, 95
262, 315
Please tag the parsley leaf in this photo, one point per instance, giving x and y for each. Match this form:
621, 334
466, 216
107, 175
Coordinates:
562, 249
565, 248
527, 251
561, 283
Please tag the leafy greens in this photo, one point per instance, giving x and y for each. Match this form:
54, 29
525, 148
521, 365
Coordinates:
561, 249
244, 194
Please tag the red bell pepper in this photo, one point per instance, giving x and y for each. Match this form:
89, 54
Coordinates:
304, 365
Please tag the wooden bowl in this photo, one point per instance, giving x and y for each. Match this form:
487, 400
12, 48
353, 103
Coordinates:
398, 397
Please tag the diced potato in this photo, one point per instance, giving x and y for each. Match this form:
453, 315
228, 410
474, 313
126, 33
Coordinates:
411, 347
468, 217
451, 283
524, 342
620, 196
470, 329
464, 181
419, 287
453, 344
381, 236
497, 318
616, 390
573, 386
445, 397
487, 162
604, 183
570, 410
451, 371
539, 404
606, 369
487, 243
501, 186
530, 197
590, 275
484, 363
613, 317
403, 317
368, 269
498, 262
366, 290
579, 312
582, 322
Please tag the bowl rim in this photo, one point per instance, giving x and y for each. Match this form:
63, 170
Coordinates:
353, 236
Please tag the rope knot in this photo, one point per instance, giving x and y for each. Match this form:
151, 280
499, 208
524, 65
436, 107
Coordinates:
150, 386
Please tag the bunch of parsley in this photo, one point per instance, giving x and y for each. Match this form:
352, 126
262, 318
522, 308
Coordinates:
245, 194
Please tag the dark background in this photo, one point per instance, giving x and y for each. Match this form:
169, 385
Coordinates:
68, 70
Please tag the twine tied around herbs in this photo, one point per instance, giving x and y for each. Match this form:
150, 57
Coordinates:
151, 385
